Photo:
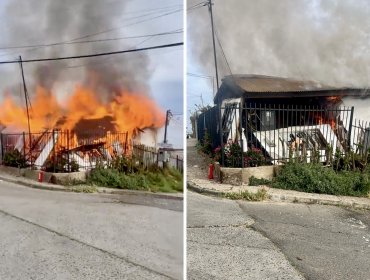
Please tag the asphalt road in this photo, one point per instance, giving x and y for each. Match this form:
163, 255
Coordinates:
221, 244
323, 242
58, 235
314, 241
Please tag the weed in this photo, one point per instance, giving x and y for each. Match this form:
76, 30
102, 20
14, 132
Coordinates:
246, 195
83, 189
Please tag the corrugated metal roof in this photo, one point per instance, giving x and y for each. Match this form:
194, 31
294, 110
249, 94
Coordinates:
261, 83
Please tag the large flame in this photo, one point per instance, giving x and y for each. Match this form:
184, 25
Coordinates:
126, 112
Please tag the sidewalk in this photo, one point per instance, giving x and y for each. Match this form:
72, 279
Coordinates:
53, 187
197, 174
278, 195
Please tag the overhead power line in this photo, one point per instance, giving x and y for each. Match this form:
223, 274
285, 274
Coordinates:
94, 55
200, 76
106, 60
127, 25
92, 41
107, 30
198, 5
223, 53
154, 9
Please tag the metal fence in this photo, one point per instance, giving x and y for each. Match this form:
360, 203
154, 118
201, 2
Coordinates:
63, 151
207, 123
360, 137
256, 135
147, 157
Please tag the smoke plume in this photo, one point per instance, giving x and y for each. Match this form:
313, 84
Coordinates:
322, 40
49, 21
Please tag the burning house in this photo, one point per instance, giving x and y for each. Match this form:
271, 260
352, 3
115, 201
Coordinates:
282, 117
84, 129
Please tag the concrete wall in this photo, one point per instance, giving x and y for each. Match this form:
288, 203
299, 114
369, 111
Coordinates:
54, 178
238, 176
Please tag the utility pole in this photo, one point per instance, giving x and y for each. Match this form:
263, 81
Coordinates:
168, 116
213, 40
26, 98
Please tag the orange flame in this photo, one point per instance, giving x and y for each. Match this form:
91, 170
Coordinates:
320, 120
127, 112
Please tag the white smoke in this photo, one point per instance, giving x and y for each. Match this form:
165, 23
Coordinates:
321, 40
48, 21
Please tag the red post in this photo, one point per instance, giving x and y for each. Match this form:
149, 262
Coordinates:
210, 171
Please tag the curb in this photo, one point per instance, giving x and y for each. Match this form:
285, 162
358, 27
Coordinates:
99, 190
142, 193
34, 185
196, 188
321, 201
299, 197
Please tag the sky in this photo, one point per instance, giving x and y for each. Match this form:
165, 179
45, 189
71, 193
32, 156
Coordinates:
158, 72
321, 40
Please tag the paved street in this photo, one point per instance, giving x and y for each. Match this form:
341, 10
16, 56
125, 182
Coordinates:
58, 235
323, 242
221, 244
285, 241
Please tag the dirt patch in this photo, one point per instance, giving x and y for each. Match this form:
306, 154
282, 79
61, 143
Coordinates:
197, 163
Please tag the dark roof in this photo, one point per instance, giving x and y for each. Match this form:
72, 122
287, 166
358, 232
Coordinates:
268, 86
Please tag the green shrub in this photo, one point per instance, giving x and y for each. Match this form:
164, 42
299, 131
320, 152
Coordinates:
122, 164
167, 180
233, 155
59, 164
105, 177
14, 158
253, 181
205, 145
315, 178
74, 166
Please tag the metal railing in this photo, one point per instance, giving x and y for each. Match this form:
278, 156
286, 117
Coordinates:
62, 151
147, 157
256, 135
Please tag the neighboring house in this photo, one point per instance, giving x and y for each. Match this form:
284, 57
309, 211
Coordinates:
277, 114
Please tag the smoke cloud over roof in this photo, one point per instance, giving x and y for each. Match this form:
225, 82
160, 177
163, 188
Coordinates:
321, 40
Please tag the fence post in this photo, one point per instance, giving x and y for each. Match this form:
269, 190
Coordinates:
177, 162
54, 159
24, 145
2, 147
221, 134
350, 128
68, 158
241, 131
126, 142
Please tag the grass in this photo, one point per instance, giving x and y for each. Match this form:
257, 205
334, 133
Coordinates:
166, 180
83, 189
314, 178
253, 181
249, 196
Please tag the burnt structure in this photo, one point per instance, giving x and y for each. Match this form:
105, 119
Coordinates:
277, 114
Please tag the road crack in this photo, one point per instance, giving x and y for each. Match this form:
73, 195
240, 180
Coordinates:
247, 225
